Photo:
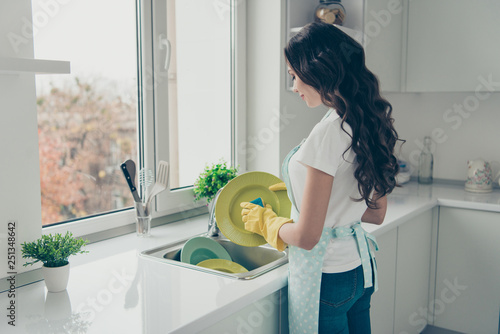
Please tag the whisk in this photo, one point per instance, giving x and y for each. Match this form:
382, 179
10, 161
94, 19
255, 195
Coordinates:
146, 179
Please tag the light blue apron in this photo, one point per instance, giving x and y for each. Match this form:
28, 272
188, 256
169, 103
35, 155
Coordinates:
305, 267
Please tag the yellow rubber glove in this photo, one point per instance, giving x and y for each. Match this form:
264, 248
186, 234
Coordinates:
265, 222
278, 186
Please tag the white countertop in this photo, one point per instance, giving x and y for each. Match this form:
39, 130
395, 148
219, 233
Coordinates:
112, 290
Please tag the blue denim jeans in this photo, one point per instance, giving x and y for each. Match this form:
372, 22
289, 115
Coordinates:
344, 303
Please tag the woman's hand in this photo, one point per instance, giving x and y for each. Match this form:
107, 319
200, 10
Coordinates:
265, 222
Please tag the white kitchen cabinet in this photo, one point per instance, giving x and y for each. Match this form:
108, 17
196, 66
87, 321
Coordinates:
467, 297
403, 263
413, 273
385, 33
453, 45
262, 316
382, 304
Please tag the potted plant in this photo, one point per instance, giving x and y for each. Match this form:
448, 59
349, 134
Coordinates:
53, 251
212, 179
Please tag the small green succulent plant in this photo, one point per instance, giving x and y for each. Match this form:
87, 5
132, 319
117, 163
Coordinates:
53, 250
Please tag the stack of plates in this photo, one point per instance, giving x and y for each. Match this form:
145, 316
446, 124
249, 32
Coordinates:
246, 188
208, 253
199, 249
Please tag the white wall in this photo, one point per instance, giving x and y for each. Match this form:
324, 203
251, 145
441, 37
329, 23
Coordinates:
277, 119
20, 176
457, 135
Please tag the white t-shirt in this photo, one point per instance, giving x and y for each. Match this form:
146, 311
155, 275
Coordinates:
323, 150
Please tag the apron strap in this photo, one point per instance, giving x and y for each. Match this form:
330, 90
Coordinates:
363, 239
286, 176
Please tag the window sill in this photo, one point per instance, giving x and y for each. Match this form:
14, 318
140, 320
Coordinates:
115, 224
155, 222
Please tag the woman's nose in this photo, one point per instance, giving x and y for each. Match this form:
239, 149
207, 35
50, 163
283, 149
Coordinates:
294, 88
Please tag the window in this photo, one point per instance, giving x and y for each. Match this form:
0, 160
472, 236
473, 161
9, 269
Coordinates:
199, 87
151, 80
86, 120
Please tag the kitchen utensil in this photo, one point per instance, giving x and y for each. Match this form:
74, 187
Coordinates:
245, 188
479, 176
145, 180
199, 249
223, 265
128, 169
161, 180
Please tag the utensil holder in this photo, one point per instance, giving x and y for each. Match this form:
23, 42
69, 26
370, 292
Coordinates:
143, 219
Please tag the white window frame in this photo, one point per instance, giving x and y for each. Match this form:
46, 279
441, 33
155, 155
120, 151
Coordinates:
153, 24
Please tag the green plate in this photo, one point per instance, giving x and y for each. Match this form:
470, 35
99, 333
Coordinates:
246, 188
199, 249
223, 265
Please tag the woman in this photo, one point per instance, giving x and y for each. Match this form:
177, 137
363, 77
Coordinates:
339, 176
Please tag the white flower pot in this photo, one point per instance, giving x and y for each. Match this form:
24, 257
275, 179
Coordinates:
56, 278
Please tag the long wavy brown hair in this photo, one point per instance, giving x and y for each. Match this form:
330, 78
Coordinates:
333, 63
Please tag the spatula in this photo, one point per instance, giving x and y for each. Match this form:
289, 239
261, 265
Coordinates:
161, 180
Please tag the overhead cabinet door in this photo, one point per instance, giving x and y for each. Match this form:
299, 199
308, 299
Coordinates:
453, 45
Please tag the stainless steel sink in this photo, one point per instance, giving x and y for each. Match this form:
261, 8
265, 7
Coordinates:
257, 260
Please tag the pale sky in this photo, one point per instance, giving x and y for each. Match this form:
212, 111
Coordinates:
98, 37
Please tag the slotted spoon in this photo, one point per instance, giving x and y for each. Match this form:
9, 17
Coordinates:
161, 180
